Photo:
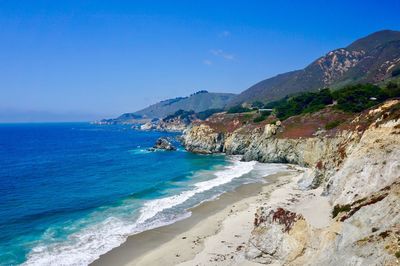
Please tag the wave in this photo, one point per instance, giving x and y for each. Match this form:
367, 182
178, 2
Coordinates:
86, 245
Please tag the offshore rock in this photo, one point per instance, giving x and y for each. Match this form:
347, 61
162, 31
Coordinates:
163, 144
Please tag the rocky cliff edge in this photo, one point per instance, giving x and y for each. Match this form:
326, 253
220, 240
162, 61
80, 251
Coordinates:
354, 167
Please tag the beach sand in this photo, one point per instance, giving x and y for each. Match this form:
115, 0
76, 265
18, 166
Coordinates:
216, 232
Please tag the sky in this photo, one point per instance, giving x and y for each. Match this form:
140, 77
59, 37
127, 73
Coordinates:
86, 60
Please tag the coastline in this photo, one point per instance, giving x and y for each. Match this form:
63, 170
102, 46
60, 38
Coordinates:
184, 240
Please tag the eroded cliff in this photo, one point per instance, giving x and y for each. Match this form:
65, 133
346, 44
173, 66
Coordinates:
354, 166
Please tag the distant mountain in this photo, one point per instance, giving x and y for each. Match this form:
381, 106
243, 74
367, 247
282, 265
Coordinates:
370, 59
197, 102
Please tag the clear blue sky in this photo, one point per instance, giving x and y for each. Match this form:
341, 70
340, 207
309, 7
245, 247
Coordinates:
84, 60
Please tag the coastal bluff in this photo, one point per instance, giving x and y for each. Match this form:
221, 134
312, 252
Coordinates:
354, 167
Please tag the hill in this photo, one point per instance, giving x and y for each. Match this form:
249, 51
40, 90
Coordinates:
370, 59
203, 103
197, 102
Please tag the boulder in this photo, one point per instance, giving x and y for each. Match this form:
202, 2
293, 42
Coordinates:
163, 144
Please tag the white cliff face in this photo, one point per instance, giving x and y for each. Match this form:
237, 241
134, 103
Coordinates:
373, 165
357, 172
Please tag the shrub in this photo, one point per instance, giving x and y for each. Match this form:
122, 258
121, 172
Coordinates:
238, 109
332, 124
182, 114
397, 254
259, 119
340, 208
207, 113
257, 104
307, 102
354, 98
392, 89
359, 97
265, 113
247, 116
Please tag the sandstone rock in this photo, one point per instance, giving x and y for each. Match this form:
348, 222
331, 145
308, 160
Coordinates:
358, 167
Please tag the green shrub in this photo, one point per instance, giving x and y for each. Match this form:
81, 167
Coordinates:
259, 119
257, 104
397, 254
332, 124
307, 102
265, 113
354, 98
359, 97
392, 89
238, 109
247, 116
207, 113
182, 114
340, 208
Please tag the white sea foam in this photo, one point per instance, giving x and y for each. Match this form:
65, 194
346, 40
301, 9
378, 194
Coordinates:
84, 246
224, 176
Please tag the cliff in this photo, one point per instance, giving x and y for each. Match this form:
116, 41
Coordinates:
354, 166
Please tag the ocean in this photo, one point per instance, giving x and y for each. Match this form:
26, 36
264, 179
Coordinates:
70, 192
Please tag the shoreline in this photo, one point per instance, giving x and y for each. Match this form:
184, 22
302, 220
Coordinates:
184, 240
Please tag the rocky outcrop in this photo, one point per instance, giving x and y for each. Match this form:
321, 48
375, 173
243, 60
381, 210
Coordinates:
356, 168
202, 139
322, 153
163, 144
172, 125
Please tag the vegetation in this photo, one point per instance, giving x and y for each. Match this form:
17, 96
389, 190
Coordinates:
397, 254
353, 99
340, 208
378, 47
307, 102
207, 113
238, 109
257, 104
259, 119
263, 115
392, 89
182, 114
359, 97
199, 92
332, 124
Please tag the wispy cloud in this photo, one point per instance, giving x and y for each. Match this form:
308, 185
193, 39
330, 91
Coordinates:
225, 33
207, 62
221, 53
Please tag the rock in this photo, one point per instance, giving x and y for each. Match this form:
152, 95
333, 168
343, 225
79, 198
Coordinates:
163, 144
357, 168
147, 126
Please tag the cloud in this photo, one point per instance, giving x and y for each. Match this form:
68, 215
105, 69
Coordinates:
223, 54
207, 62
225, 33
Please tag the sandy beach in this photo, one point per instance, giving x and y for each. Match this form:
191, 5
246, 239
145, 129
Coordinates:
217, 232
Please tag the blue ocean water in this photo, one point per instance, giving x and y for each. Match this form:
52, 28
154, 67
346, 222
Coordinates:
70, 192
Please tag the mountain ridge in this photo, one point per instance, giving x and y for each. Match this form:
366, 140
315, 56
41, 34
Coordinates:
197, 102
368, 59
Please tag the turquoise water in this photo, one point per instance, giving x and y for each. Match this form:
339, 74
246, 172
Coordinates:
70, 192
